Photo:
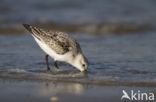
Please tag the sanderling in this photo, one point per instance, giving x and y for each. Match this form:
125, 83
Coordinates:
60, 46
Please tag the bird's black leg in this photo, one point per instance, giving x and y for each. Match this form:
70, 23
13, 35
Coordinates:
46, 57
55, 64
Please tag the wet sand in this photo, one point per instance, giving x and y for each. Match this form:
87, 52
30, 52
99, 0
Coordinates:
25, 91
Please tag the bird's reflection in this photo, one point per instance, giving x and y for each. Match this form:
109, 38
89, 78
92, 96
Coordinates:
62, 88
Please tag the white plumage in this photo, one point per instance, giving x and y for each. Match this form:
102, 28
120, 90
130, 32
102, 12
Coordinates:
60, 46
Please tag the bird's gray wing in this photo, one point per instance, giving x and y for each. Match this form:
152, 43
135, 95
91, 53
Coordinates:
60, 42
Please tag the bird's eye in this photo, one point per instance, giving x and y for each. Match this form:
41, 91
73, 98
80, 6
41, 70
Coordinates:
83, 65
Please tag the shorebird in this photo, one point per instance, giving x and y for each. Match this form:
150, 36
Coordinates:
60, 46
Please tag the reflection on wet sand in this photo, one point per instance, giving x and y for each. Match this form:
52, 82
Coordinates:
54, 98
55, 88
30, 91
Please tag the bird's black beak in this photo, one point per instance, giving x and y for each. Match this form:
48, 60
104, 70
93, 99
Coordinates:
85, 72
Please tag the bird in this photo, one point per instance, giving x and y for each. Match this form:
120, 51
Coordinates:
60, 46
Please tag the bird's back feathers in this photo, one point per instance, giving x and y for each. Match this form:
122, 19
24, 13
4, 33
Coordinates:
60, 42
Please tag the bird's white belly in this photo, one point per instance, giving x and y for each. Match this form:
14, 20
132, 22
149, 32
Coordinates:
66, 57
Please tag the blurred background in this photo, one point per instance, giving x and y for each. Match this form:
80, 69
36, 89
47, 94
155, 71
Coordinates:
100, 16
117, 36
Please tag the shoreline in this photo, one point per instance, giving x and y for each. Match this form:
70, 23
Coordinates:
85, 82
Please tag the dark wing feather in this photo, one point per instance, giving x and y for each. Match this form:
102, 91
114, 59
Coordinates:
60, 42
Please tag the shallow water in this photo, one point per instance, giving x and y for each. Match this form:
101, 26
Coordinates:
113, 60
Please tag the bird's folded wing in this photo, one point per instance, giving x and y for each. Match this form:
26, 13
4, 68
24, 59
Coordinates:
60, 42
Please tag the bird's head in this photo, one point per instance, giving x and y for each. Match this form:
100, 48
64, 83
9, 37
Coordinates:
80, 62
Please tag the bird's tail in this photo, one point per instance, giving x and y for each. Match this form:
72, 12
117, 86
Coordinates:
28, 27
33, 30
